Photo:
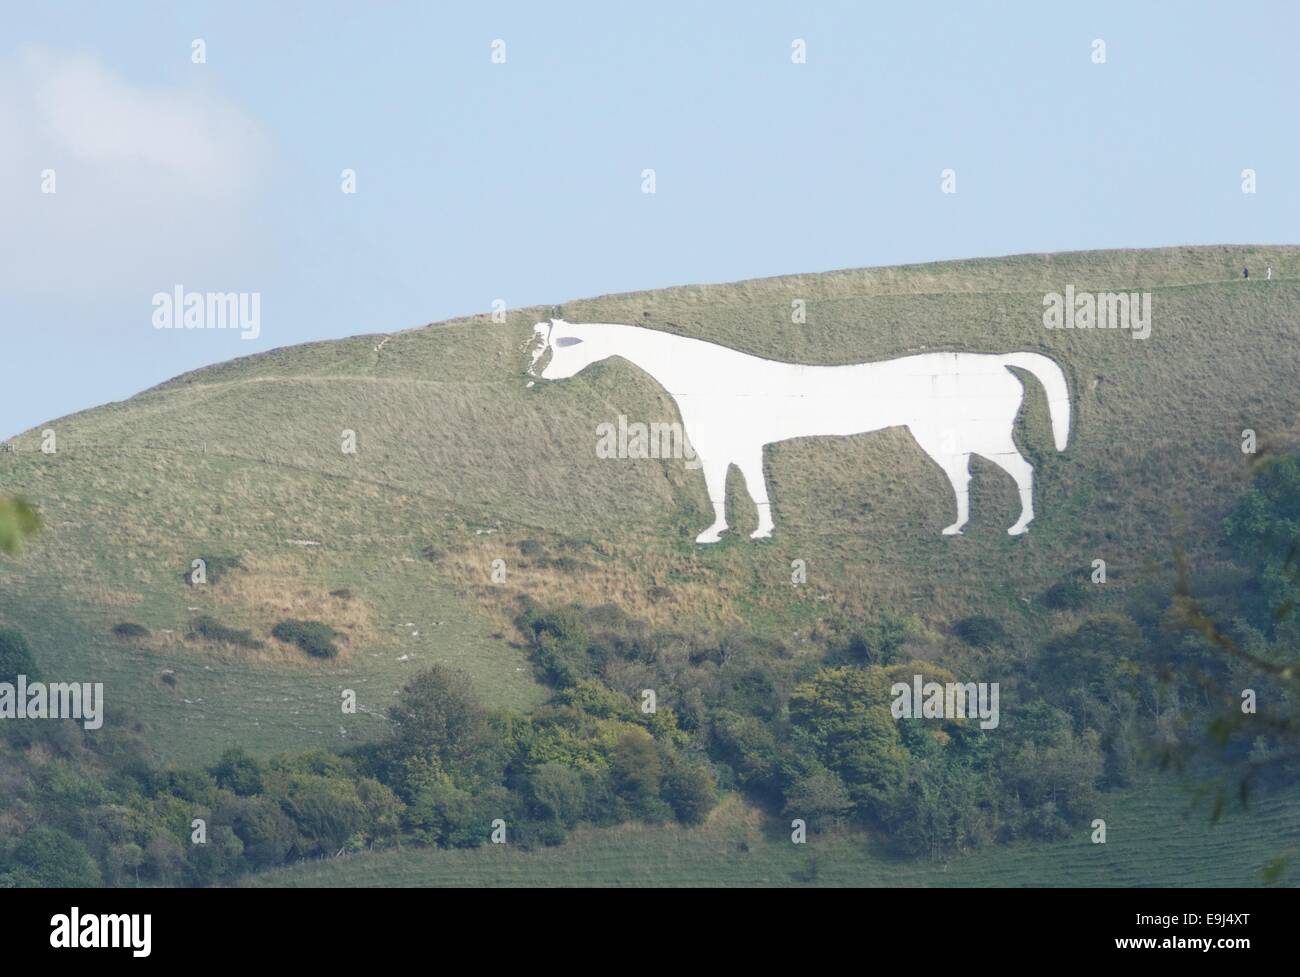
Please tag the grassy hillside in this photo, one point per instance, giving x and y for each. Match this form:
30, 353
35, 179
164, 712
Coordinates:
460, 463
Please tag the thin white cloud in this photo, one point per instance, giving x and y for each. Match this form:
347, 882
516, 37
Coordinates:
152, 182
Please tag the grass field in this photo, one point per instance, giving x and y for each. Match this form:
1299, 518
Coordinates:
1154, 838
460, 463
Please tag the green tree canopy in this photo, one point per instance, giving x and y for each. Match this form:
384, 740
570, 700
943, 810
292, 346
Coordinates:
1264, 532
845, 712
438, 718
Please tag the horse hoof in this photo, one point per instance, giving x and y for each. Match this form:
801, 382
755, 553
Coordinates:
1017, 530
708, 537
952, 531
761, 534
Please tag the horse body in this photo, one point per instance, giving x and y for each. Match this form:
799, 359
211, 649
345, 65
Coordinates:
733, 404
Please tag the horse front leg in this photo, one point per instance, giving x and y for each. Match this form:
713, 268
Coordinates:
715, 477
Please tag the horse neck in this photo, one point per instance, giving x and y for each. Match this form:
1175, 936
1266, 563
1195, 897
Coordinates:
648, 349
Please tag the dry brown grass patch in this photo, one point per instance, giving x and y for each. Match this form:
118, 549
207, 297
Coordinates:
270, 589
264, 592
640, 582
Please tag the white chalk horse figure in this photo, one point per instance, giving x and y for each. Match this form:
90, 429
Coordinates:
733, 404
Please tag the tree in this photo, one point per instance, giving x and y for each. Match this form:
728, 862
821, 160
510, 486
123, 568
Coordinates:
689, 788
220, 858
384, 809
266, 831
1062, 770
1253, 634
820, 798
447, 816
1101, 654
124, 861
1264, 533
164, 858
637, 773
326, 810
238, 772
845, 713
749, 747
54, 859
946, 806
438, 718
558, 793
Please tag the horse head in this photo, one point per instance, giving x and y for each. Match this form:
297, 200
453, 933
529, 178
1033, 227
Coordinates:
568, 357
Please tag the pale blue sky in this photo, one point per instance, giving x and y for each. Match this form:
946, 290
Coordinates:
522, 181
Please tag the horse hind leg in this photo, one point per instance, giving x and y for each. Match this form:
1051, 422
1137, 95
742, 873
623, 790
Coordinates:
1010, 460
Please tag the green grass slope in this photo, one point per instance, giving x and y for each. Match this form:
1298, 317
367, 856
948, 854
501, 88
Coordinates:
460, 463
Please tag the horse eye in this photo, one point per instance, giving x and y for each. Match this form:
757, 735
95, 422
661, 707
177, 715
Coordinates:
567, 341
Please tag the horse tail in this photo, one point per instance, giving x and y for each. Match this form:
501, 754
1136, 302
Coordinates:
1058, 393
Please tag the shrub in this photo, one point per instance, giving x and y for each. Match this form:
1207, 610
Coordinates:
215, 567
638, 771
265, 830
980, 631
558, 793
560, 645
210, 629
879, 642
690, 789
15, 656
1067, 595
238, 772
820, 798
54, 859
17, 521
444, 815
314, 637
128, 629
326, 810
220, 859
1101, 654
384, 810
539, 834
